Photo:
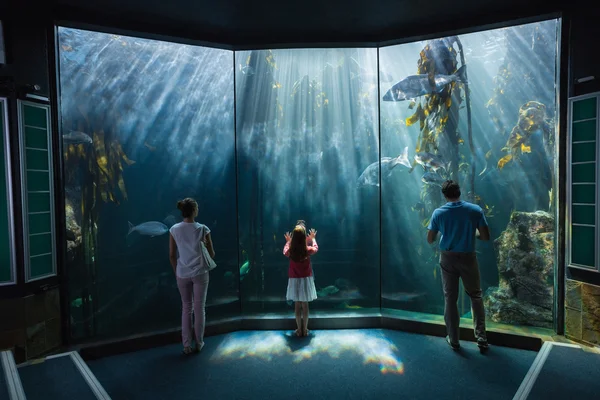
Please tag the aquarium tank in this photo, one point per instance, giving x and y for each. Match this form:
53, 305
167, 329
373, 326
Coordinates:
341, 138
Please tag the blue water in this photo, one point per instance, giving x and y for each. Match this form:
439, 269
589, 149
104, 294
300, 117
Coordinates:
288, 142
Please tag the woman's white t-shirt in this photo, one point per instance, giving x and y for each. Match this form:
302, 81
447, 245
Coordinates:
188, 235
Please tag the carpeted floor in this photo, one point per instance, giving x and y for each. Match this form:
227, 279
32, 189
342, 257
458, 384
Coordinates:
568, 373
57, 378
3, 385
331, 364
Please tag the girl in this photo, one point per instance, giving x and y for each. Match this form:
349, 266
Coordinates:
189, 265
301, 284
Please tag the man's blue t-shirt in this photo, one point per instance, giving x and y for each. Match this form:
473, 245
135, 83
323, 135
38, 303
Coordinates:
457, 222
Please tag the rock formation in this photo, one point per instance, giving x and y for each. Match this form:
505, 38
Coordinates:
526, 270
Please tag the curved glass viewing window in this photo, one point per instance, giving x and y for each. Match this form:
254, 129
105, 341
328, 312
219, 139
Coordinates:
354, 141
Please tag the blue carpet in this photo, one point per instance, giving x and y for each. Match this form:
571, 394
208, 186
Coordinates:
568, 373
334, 364
57, 378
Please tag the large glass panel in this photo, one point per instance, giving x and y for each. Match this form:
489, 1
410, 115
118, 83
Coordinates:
144, 123
308, 148
478, 109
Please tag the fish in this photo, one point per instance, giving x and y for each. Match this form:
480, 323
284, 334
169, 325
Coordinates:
370, 175
246, 70
149, 146
345, 305
152, 228
402, 296
78, 302
244, 269
76, 137
329, 290
344, 284
432, 161
433, 178
418, 85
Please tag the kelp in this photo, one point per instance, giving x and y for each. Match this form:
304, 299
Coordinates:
95, 171
104, 163
532, 119
433, 110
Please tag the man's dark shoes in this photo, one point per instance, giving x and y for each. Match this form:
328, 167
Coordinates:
483, 345
455, 346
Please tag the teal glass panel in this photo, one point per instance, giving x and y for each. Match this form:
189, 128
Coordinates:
38, 202
40, 244
582, 152
583, 194
583, 245
585, 130
583, 173
37, 159
38, 181
35, 116
584, 215
36, 138
5, 230
584, 109
40, 223
41, 266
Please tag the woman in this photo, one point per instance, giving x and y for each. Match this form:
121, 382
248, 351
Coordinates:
301, 284
191, 270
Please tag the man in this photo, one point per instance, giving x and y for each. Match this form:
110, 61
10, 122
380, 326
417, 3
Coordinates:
460, 223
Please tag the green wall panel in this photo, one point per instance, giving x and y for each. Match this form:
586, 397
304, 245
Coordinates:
6, 249
584, 109
584, 215
583, 173
583, 194
583, 131
582, 152
583, 245
37, 194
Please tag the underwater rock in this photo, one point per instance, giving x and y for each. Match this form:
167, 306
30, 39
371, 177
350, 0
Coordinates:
526, 270
73, 235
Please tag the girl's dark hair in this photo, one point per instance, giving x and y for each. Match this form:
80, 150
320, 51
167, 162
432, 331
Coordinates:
450, 189
298, 250
188, 207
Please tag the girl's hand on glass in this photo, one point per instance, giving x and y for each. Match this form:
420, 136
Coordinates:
312, 233
287, 236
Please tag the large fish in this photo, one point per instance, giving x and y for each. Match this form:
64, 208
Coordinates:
151, 228
74, 137
433, 178
418, 85
432, 161
370, 175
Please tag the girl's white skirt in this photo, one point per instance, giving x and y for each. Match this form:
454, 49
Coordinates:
301, 289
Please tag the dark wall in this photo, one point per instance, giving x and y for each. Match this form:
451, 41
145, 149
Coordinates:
584, 49
27, 59
584, 61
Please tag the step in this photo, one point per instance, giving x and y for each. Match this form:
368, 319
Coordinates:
60, 376
10, 382
562, 370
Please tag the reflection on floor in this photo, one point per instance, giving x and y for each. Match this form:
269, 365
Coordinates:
332, 364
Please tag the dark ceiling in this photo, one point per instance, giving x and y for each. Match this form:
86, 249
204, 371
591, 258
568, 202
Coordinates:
270, 23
